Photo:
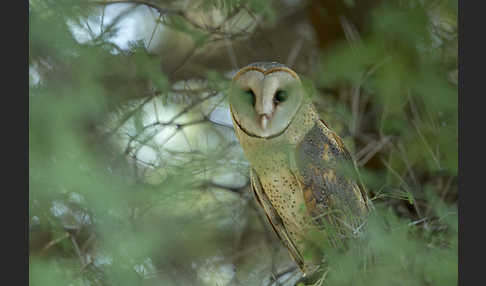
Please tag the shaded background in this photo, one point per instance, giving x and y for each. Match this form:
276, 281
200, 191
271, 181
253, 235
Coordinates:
136, 177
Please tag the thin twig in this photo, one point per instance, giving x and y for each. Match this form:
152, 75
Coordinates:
375, 150
115, 21
407, 163
355, 122
102, 20
153, 32
126, 118
78, 252
236, 190
55, 241
294, 52
275, 277
407, 188
427, 146
231, 53
183, 62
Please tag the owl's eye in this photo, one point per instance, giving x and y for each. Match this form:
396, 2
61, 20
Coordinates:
251, 96
280, 96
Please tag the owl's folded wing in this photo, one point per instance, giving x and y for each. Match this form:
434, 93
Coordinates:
275, 219
323, 168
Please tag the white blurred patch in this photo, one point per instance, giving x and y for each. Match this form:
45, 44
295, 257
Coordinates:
34, 221
58, 208
76, 198
215, 272
231, 179
137, 25
147, 154
34, 76
221, 115
145, 269
102, 259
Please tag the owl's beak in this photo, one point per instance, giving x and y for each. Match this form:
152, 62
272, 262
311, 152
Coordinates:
264, 121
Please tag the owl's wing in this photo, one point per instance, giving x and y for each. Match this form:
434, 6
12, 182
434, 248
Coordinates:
275, 219
321, 162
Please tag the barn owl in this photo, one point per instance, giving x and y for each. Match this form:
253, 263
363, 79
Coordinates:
297, 161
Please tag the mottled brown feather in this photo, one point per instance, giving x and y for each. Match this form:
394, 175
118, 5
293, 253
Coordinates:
328, 193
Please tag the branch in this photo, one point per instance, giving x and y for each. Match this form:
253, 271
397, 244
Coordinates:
275, 277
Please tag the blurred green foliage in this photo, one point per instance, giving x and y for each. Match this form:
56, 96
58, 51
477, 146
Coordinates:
404, 62
99, 217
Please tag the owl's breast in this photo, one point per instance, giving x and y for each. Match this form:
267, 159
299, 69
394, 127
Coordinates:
269, 157
285, 194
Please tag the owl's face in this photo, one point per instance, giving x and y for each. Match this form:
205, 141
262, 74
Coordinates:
264, 99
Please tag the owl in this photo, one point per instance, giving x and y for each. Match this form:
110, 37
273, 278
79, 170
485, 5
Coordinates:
299, 167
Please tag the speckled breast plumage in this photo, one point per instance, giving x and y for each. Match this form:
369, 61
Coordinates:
270, 158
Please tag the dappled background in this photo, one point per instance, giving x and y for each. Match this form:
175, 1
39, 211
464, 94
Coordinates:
136, 176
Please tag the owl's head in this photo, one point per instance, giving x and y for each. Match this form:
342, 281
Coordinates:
264, 98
